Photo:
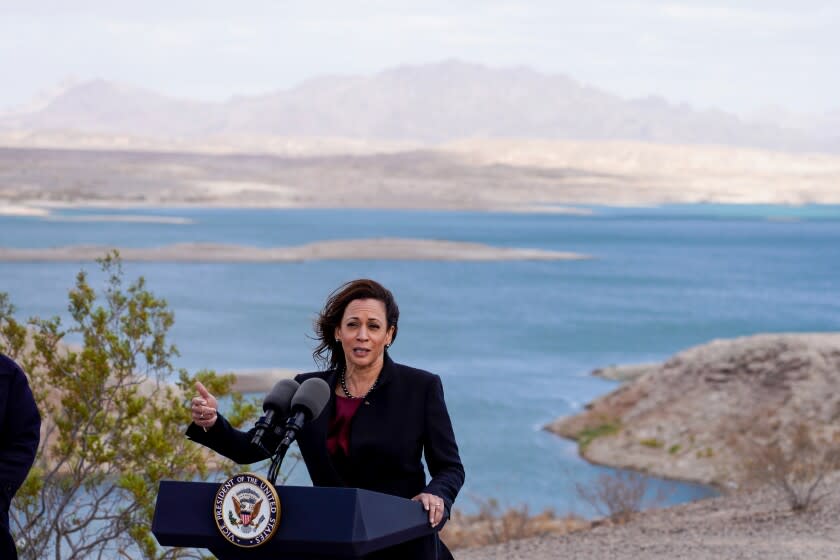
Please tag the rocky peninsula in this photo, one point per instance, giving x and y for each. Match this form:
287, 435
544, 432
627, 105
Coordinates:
689, 417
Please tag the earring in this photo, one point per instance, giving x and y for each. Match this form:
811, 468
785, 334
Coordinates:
387, 345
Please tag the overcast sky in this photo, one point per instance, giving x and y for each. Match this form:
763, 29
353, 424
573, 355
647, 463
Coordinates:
735, 55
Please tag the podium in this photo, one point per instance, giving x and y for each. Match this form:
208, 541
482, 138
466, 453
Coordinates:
315, 522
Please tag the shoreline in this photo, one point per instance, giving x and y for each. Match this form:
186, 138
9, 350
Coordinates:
258, 381
50, 210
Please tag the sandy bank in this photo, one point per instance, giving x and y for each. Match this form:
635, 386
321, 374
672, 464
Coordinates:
120, 218
22, 210
259, 381
353, 249
45, 212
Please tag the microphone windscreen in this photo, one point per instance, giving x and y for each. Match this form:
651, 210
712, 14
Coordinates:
280, 398
313, 396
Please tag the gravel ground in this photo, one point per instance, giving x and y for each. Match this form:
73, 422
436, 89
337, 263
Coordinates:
754, 526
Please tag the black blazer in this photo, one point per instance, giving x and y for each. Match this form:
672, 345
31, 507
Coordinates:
404, 417
20, 432
20, 426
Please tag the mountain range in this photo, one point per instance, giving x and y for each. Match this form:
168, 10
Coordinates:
427, 104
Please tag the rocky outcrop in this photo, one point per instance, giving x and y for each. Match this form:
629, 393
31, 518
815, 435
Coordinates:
623, 373
688, 418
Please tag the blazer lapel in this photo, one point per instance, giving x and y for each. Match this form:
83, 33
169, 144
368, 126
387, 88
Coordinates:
316, 434
370, 411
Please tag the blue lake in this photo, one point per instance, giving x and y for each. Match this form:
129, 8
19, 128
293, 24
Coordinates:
513, 341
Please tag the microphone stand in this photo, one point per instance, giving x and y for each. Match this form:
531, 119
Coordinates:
312, 396
280, 453
276, 459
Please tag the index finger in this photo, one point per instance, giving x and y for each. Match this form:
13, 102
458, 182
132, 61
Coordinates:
202, 390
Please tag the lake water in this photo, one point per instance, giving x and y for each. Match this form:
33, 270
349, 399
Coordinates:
513, 341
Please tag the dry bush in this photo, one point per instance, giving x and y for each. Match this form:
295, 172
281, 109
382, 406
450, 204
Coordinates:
494, 524
793, 462
616, 495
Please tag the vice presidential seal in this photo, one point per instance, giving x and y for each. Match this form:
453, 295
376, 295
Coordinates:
247, 510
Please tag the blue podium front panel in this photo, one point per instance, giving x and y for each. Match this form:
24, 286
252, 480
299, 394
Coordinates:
314, 522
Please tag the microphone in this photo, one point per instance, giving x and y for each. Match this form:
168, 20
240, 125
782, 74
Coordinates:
276, 406
307, 404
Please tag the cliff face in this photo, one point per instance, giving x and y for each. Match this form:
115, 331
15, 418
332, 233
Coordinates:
688, 418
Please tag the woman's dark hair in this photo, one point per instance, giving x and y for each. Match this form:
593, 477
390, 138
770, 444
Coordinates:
329, 352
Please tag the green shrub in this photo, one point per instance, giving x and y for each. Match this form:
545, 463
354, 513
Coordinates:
588, 435
113, 409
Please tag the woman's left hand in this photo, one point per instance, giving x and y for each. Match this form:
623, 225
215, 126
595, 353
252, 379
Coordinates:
204, 407
434, 505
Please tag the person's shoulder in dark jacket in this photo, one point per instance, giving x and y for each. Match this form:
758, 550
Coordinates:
20, 425
414, 374
301, 377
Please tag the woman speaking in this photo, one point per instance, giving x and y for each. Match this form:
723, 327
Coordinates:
381, 416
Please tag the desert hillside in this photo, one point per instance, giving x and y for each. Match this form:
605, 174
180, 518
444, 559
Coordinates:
754, 526
488, 175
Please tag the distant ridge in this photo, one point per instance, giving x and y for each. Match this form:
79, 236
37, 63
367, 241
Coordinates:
430, 103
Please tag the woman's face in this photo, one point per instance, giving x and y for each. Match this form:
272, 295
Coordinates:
363, 333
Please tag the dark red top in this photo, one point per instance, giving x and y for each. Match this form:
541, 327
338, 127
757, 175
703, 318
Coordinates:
338, 433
